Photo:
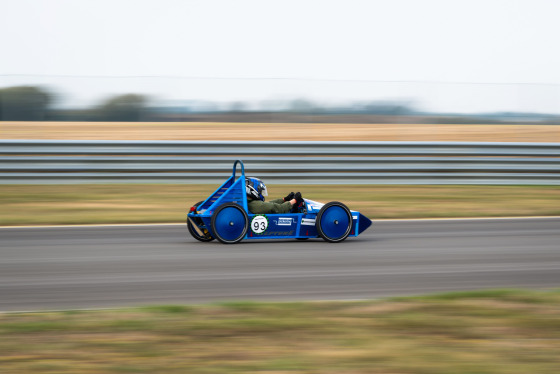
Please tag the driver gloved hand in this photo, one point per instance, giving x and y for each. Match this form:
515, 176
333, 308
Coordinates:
289, 197
299, 203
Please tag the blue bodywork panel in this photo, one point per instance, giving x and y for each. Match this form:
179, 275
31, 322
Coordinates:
269, 226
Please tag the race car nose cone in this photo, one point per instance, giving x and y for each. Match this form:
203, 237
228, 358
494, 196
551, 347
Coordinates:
363, 223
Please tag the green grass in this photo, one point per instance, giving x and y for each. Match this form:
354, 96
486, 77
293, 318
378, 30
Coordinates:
495, 331
135, 203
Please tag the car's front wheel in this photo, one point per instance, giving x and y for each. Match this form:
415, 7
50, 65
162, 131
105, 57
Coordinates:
334, 222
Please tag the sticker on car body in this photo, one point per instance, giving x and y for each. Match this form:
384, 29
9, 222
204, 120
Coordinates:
259, 224
283, 221
308, 221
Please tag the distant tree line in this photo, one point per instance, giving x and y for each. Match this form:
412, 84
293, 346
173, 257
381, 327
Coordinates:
24, 104
29, 103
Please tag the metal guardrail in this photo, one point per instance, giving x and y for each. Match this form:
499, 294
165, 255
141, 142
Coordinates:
65, 161
274, 148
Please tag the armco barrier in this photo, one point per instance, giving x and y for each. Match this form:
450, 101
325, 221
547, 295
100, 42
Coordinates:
65, 161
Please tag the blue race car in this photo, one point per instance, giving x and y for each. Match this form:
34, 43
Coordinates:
224, 216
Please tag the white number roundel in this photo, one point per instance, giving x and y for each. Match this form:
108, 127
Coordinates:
259, 224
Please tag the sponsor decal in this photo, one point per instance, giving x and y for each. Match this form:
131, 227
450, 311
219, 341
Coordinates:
308, 221
259, 224
283, 221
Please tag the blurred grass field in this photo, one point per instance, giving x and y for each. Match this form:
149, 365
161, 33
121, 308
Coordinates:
151, 203
482, 332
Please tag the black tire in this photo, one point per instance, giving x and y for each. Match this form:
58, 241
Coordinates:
328, 220
229, 223
206, 237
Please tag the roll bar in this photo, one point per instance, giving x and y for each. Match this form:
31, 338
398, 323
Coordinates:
235, 168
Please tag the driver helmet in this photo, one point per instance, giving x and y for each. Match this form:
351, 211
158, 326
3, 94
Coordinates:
256, 189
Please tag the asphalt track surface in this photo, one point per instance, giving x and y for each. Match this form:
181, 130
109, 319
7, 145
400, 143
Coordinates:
98, 267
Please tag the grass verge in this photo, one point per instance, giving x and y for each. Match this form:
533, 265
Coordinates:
496, 331
134, 203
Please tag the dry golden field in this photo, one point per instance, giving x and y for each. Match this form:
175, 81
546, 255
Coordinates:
277, 131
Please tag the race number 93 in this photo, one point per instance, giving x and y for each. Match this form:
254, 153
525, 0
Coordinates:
259, 224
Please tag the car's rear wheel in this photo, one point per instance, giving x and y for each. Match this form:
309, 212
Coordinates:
334, 222
202, 234
229, 223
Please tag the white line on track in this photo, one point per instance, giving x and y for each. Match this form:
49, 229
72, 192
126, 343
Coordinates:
373, 220
465, 219
120, 308
94, 225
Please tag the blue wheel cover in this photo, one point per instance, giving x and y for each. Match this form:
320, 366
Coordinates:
334, 222
230, 223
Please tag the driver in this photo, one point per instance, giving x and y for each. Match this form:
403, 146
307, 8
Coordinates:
256, 191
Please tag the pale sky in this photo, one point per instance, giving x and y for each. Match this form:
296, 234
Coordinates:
332, 51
